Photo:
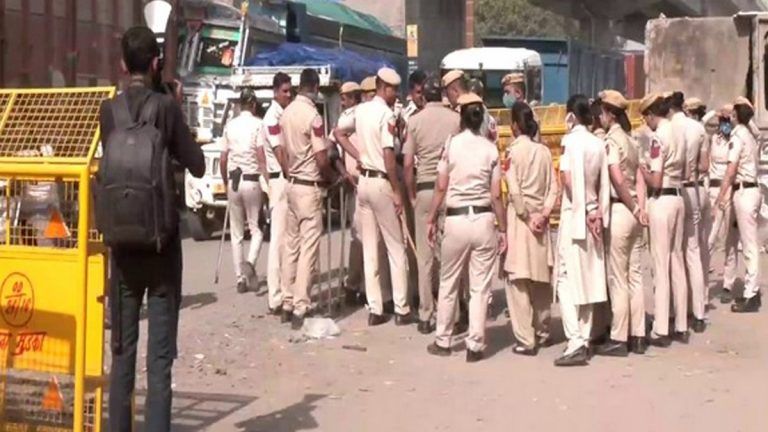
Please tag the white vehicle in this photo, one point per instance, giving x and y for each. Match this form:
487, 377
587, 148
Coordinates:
491, 64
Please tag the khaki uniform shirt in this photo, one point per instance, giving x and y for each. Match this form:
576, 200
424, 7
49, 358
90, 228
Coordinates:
239, 140
304, 135
718, 157
691, 134
743, 149
667, 155
427, 132
375, 124
623, 151
271, 136
347, 117
470, 161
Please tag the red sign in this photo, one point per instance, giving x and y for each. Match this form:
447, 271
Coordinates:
29, 342
5, 341
17, 300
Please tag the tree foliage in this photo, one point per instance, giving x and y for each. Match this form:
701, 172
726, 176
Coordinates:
520, 18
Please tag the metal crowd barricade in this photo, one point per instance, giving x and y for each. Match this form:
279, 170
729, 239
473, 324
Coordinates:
331, 281
52, 264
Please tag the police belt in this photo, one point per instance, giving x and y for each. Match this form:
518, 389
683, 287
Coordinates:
713, 183
302, 182
690, 184
372, 174
744, 185
665, 192
251, 177
425, 186
461, 211
275, 175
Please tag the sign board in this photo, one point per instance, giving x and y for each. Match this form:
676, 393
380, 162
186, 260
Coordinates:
412, 36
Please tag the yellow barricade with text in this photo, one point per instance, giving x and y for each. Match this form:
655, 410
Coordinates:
52, 264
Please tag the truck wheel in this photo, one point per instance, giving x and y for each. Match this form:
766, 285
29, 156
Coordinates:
199, 228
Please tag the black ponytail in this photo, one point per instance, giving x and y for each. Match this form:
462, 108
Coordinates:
522, 116
621, 117
472, 117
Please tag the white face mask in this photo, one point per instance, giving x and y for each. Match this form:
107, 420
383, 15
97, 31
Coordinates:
570, 121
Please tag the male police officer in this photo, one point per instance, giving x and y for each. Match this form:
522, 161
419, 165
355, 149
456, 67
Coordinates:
269, 152
240, 172
307, 168
379, 196
428, 131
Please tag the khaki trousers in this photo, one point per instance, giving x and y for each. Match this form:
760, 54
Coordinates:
529, 305
746, 206
719, 229
625, 277
278, 210
379, 219
302, 243
426, 257
469, 240
666, 231
355, 263
691, 239
244, 206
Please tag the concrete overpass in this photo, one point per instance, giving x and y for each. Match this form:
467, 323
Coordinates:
627, 17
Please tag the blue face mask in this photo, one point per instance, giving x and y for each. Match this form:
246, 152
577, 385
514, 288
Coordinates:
726, 128
509, 100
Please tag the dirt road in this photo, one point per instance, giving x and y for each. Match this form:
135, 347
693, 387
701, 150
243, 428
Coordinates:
239, 370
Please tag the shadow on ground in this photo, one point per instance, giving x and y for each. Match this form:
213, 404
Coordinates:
293, 418
196, 411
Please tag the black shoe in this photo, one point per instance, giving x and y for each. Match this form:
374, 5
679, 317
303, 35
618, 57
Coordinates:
638, 345
749, 305
276, 311
242, 287
579, 357
474, 356
404, 320
297, 322
660, 341
681, 337
543, 342
389, 307
374, 320
437, 350
699, 325
524, 351
286, 316
726, 297
426, 327
613, 348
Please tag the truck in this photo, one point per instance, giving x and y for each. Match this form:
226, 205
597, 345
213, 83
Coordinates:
214, 38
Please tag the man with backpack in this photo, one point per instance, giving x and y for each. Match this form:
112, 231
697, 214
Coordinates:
136, 211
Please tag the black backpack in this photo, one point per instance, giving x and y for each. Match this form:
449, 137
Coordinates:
135, 195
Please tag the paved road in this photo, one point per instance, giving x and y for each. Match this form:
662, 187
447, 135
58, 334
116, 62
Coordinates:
238, 370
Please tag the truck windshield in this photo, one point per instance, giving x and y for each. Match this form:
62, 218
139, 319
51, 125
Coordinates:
218, 53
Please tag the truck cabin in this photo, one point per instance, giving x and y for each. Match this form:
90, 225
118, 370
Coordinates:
491, 64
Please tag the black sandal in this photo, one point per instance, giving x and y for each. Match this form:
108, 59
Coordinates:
521, 350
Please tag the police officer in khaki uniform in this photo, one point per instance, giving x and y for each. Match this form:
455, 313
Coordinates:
307, 171
269, 152
690, 134
625, 232
666, 211
533, 194
513, 86
379, 200
718, 223
240, 171
350, 95
469, 182
455, 86
741, 177
427, 132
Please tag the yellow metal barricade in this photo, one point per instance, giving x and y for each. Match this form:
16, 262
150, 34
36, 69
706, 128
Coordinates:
52, 265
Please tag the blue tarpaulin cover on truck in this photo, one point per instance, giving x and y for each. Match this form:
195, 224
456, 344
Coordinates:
347, 65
